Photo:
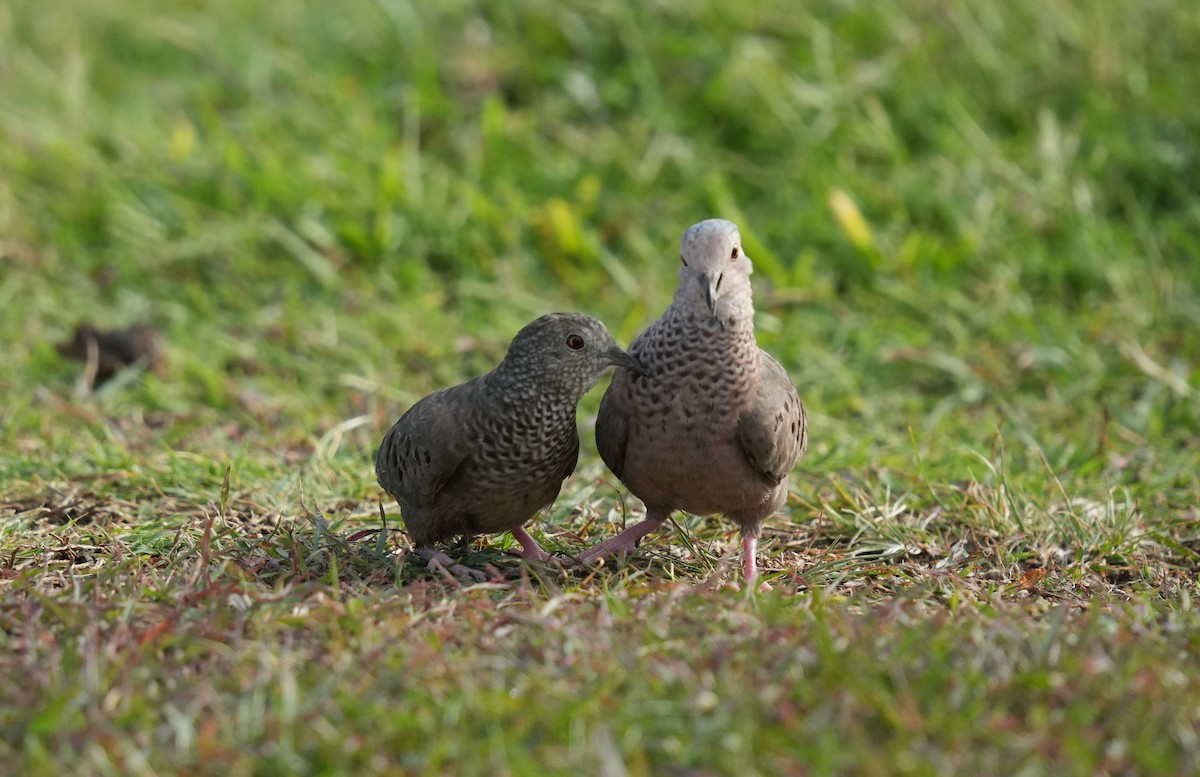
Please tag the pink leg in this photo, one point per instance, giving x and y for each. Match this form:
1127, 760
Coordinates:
440, 562
625, 542
531, 551
750, 563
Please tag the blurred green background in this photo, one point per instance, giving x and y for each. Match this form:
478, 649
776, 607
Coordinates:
324, 207
305, 193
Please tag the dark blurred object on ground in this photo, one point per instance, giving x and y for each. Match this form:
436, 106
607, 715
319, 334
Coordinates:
107, 353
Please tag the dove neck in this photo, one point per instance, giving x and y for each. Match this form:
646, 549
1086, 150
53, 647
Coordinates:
732, 321
523, 389
734, 306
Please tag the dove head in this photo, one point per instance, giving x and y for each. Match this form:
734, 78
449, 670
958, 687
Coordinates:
563, 354
715, 275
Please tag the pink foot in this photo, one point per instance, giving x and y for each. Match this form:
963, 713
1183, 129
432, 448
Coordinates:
530, 550
440, 562
623, 543
750, 563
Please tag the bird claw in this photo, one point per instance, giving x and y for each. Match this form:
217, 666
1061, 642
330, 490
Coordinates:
565, 560
459, 571
614, 546
762, 588
750, 563
530, 550
530, 555
440, 562
623, 544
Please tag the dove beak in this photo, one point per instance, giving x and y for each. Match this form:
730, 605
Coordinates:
619, 358
712, 287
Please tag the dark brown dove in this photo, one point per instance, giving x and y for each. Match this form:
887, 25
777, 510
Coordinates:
485, 456
716, 425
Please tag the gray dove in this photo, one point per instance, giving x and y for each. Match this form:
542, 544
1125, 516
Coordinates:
485, 456
715, 425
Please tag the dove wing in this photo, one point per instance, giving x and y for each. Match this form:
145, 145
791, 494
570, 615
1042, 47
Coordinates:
424, 449
612, 425
774, 433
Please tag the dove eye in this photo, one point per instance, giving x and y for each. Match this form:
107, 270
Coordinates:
574, 342
736, 253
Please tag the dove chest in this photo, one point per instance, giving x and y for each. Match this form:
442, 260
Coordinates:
524, 453
702, 381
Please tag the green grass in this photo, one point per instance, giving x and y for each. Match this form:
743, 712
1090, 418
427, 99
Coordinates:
974, 227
